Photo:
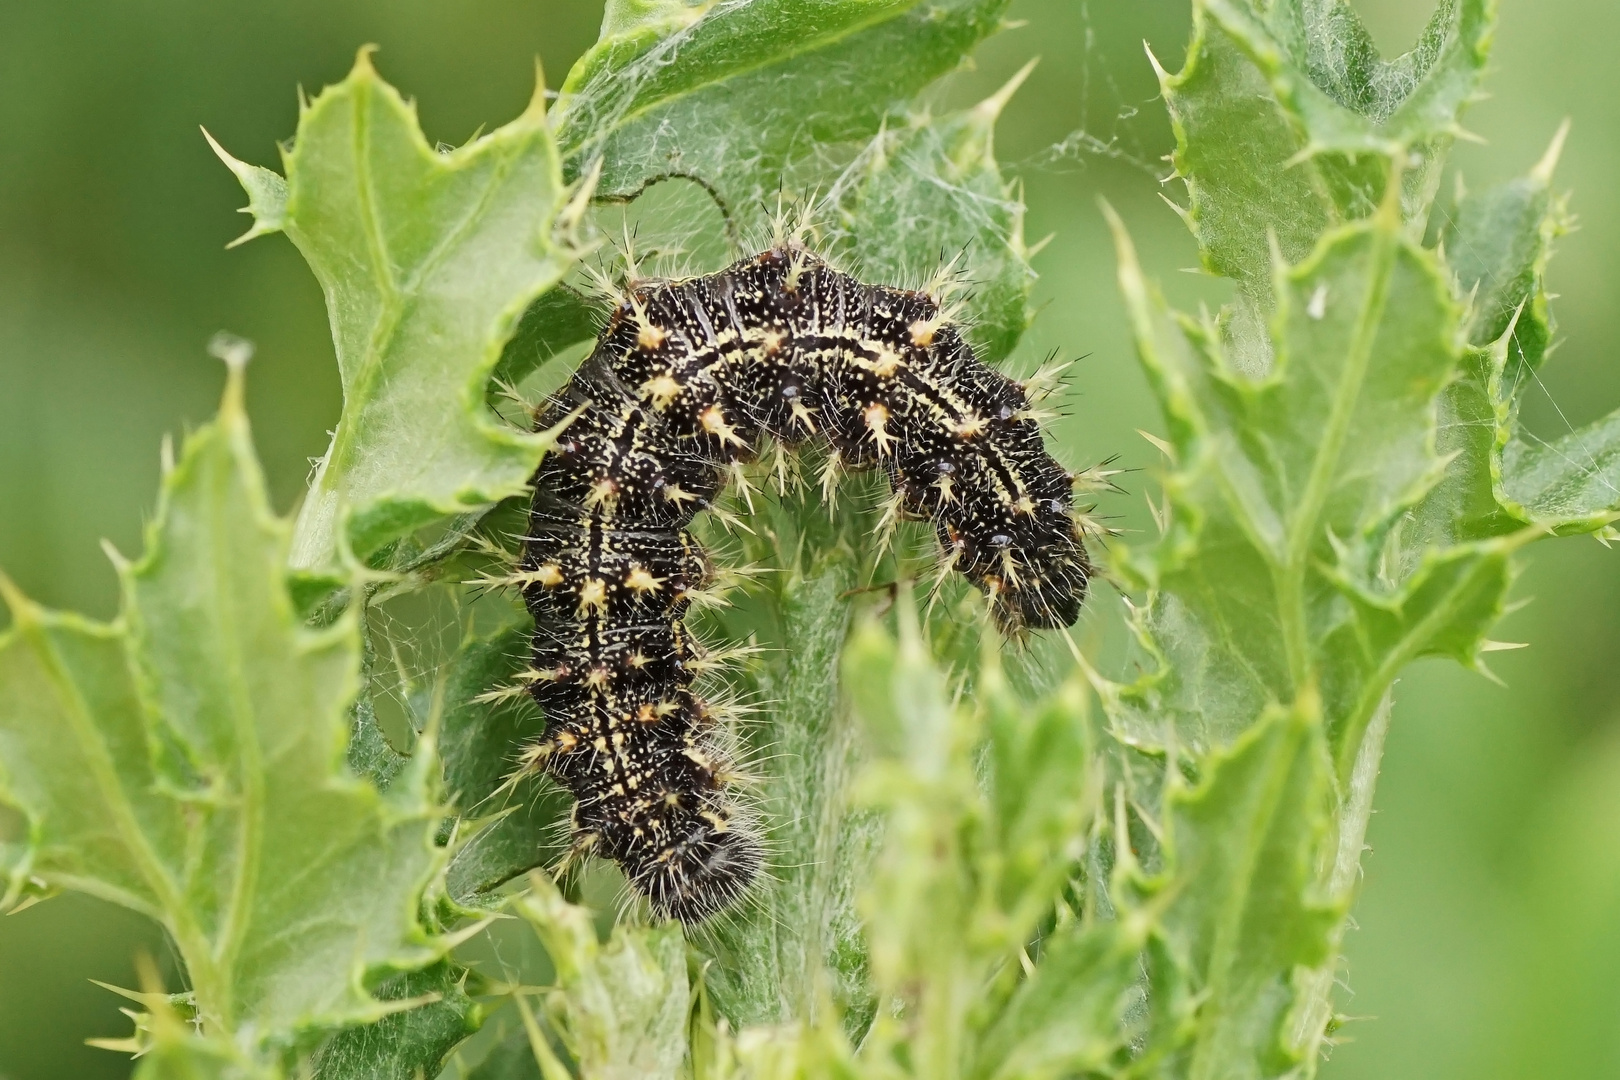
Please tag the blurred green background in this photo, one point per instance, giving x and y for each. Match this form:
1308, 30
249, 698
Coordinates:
1488, 933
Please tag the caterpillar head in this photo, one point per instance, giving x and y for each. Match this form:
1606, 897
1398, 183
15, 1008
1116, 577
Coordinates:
704, 869
1048, 596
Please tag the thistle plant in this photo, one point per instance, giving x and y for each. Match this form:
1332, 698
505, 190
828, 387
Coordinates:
299, 746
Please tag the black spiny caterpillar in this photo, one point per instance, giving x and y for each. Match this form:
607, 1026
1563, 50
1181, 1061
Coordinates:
685, 380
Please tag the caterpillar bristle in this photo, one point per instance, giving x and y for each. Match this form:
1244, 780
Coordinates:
502, 694
1098, 477
1047, 380
723, 659
831, 472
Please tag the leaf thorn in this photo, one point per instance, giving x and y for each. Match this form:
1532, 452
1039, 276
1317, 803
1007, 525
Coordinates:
1543, 172
1163, 447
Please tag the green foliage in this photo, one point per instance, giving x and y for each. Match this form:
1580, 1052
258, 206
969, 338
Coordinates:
1286, 490
439, 1014
508, 828
975, 873
798, 939
742, 96
1286, 119
1498, 245
186, 761
930, 192
428, 258
620, 1008
970, 866
1239, 915
1337, 501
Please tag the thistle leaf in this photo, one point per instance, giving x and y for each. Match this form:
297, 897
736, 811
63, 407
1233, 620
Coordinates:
1571, 483
427, 260
1326, 519
410, 1043
187, 762
743, 95
512, 824
1498, 245
621, 1008
1285, 478
971, 865
929, 193
1239, 918
1287, 122
175, 1056
1066, 1018
799, 936
560, 318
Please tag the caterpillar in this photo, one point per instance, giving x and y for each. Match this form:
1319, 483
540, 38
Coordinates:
686, 379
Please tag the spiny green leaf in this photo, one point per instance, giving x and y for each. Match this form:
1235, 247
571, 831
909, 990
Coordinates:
1464, 506
502, 823
560, 318
1327, 71
1498, 245
266, 192
75, 758
621, 1008
1287, 122
740, 96
512, 825
1337, 502
929, 192
529, 829
921, 892
1065, 1019
977, 849
1443, 607
1280, 477
1237, 916
169, 1044
427, 259
651, 54
783, 1052
411, 1043
1572, 482
481, 735
177, 1055
1502, 478
370, 753
1039, 790
188, 762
